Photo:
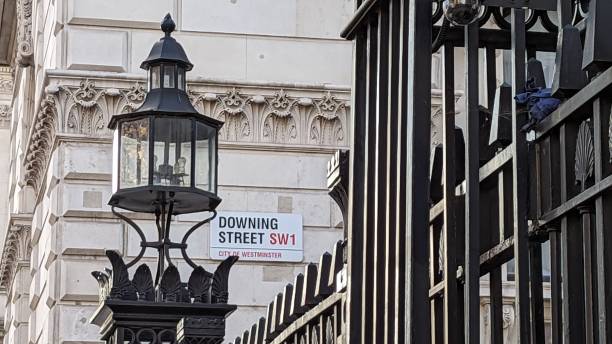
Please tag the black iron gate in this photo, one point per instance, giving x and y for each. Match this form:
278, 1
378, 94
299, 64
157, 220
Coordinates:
420, 237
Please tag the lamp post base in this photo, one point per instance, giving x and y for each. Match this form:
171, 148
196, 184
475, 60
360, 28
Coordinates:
123, 321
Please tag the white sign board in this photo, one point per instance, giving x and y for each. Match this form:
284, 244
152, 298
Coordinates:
257, 236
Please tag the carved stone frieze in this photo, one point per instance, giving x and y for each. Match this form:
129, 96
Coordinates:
326, 124
17, 249
277, 118
279, 123
233, 108
87, 109
84, 109
262, 116
25, 47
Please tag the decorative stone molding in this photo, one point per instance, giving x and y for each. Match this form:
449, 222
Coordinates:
25, 47
5, 116
41, 142
83, 109
6, 85
251, 115
17, 249
87, 110
277, 118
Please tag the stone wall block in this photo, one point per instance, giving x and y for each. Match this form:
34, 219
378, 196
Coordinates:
75, 197
110, 53
133, 13
312, 243
90, 238
287, 60
88, 161
34, 292
31, 328
74, 326
76, 282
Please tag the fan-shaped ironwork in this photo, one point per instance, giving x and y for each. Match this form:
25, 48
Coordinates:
585, 154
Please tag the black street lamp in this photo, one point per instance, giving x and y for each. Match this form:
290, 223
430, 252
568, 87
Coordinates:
165, 152
164, 163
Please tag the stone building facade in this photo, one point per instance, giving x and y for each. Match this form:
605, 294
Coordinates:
274, 71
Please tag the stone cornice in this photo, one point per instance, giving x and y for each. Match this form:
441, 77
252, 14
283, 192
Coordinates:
257, 116
130, 78
16, 248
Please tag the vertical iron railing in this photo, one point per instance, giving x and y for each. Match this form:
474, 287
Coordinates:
421, 237
493, 197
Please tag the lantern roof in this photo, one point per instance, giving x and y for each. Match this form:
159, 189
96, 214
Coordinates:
166, 100
167, 49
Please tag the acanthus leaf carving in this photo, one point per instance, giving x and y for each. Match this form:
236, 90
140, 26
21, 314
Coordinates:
83, 109
88, 109
326, 124
279, 124
233, 111
278, 118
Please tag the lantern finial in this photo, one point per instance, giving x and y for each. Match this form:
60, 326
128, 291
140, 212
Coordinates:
168, 24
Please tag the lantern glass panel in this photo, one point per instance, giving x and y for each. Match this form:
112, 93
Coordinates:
172, 151
155, 77
206, 158
169, 76
134, 153
181, 78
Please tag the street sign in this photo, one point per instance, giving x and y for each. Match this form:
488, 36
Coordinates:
257, 236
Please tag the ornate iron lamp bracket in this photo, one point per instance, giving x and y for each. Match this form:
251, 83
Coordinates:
163, 245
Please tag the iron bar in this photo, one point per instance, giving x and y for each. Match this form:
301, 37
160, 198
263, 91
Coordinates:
555, 285
585, 214
370, 181
520, 179
356, 183
379, 208
418, 125
571, 245
402, 171
472, 190
449, 230
394, 91
537, 297
603, 221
